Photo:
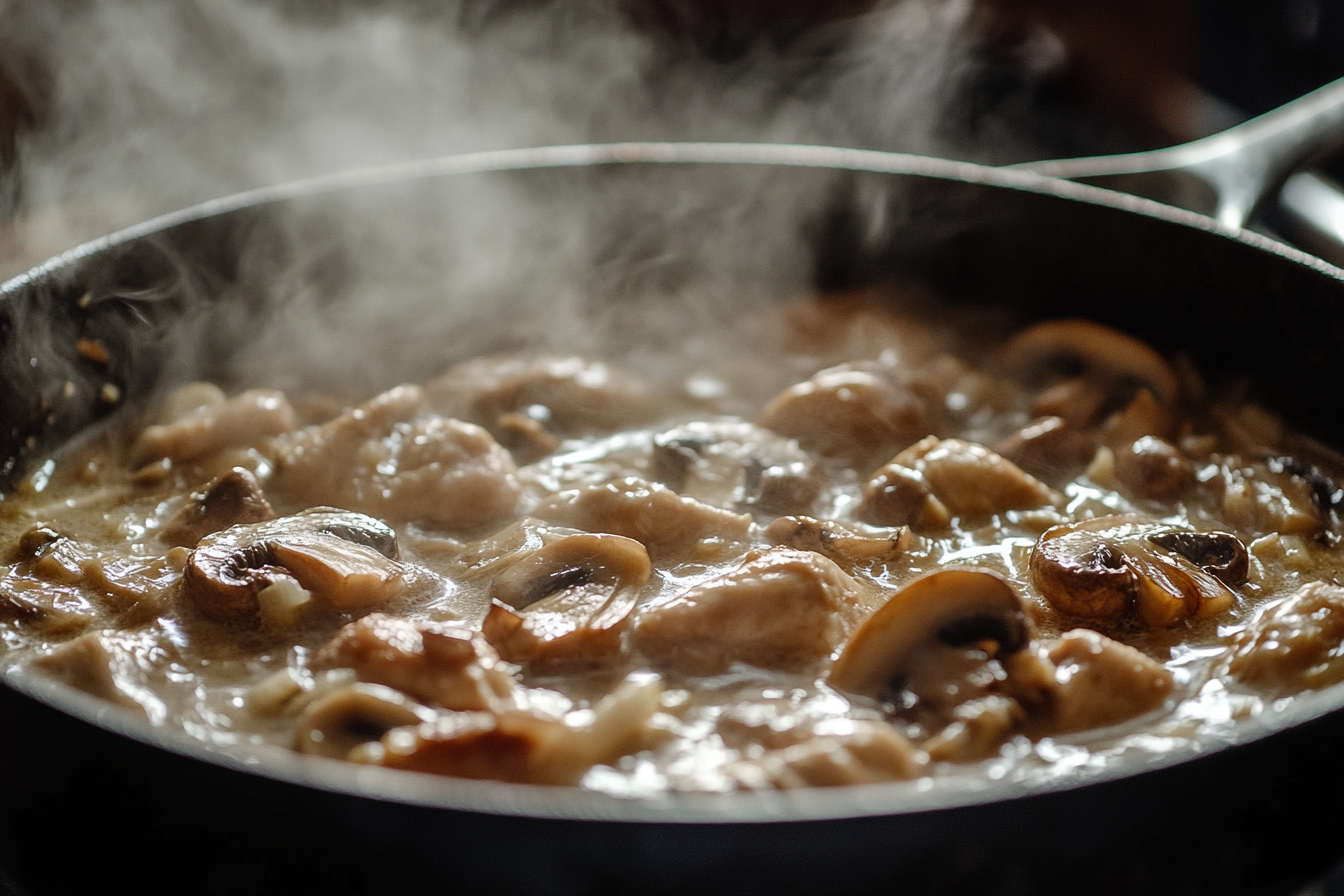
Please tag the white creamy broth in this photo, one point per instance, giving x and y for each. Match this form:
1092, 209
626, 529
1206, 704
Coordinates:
840, 544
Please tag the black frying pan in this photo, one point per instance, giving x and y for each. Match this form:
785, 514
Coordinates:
89, 796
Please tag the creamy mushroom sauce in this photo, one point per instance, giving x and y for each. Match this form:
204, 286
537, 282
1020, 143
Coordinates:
841, 545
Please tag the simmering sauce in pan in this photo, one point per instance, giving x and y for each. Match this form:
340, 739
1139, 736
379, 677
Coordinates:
855, 547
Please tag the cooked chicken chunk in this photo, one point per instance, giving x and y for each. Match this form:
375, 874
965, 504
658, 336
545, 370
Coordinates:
1296, 643
970, 480
856, 413
859, 752
383, 460
780, 609
667, 524
209, 427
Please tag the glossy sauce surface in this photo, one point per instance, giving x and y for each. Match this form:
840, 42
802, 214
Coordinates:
837, 544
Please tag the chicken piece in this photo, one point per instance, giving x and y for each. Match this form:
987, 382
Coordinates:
858, 414
566, 396
970, 480
1095, 682
86, 664
859, 752
667, 524
204, 429
733, 464
847, 545
382, 460
1294, 644
444, 664
780, 609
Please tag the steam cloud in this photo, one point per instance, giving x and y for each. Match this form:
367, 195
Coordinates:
151, 106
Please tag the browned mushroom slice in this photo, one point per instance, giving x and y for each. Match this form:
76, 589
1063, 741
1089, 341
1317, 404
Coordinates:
1154, 469
781, 609
663, 521
229, 499
731, 463
970, 480
1294, 644
848, 546
335, 724
1092, 352
445, 664
205, 429
518, 746
948, 610
568, 603
1050, 449
854, 413
345, 558
1103, 569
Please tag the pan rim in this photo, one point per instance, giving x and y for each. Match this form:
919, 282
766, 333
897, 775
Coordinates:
571, 803
587, 155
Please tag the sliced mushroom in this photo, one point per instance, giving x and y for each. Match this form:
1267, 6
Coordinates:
1092, 352
949, 609
780, 609
568, 603
335, 724
347, 559
900, 496
969, 479
1102, 569
445, 664
732, 463
229, 499
519, 746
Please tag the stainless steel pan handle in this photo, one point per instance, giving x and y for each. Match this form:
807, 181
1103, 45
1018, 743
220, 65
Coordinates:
1227, 175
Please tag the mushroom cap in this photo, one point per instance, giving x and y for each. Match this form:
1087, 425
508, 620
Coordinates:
1102, 568
954, 607
1102, 352
1078, 571
347, 558
567, 603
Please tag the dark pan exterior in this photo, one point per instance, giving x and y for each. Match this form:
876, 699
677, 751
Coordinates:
89, 800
